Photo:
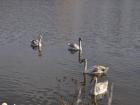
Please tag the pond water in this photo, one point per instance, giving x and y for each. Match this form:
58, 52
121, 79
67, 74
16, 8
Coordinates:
110, 33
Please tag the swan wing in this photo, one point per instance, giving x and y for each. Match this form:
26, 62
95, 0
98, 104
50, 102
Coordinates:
34, 42
103, 67
76, 46
73, 46
94, 70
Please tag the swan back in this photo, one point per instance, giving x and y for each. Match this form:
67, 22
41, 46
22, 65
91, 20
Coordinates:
98, 69
94, 70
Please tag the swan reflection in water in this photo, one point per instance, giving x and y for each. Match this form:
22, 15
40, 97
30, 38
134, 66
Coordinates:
99, 91
82, 96
108, 95
39, 50
77, 98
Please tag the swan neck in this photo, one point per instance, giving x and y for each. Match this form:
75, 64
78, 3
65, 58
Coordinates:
80, 51
80, 56
95, 85
85, 66
40, 39
80, 45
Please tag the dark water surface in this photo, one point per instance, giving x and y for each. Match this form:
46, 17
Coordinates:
110, 30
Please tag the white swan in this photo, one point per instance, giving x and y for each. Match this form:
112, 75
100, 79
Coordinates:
74, 46
4, 103
37, 42
99, 88
94, 70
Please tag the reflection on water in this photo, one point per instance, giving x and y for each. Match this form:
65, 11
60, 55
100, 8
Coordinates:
110, 33
82, 95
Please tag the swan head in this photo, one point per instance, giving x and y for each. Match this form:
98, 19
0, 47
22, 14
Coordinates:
80, 39
95, 78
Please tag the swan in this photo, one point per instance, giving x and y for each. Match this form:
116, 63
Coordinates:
99, 88
74, 46
4, 103
37, 42
94, 70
